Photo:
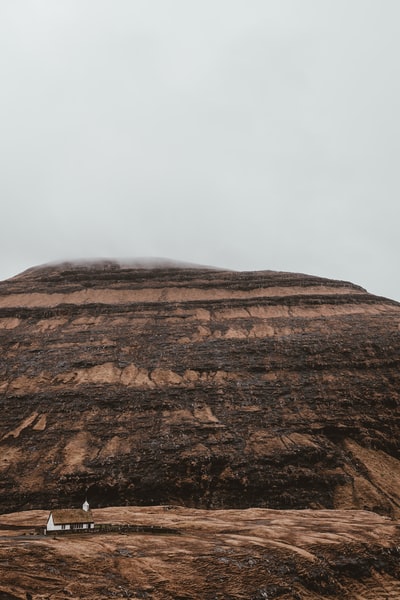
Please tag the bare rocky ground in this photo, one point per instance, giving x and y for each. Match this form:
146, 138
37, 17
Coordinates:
251, 554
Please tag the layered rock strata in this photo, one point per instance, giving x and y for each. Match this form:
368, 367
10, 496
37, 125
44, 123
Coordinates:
197, 386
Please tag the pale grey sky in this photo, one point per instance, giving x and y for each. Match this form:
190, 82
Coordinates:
247, 134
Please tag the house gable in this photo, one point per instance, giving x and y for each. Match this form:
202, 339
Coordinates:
69, 519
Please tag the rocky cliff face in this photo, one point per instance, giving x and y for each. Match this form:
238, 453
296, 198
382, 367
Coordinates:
196, 386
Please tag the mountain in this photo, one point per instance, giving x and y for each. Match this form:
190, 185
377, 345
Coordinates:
143, 384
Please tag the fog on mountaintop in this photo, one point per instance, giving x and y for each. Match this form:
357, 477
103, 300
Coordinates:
246, 135
117, 263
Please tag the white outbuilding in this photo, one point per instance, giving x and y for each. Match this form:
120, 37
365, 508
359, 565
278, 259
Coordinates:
69, 519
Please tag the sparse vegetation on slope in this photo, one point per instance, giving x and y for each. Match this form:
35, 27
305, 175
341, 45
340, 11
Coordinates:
226, 554
197, 387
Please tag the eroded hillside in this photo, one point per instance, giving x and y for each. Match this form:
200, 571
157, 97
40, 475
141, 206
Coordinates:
199, 387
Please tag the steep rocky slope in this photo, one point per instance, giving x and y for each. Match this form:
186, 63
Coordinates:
196, 386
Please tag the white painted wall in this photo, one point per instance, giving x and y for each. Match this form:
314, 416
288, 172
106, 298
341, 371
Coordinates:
52, 527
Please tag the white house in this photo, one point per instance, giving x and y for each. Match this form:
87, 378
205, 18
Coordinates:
70, 519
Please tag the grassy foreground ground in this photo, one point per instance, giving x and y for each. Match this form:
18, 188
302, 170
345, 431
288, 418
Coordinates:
251, 554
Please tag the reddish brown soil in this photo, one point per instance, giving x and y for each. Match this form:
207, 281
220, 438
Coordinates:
198, 387
206, 389
226, 554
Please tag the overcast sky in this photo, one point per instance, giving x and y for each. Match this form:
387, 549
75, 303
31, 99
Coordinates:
247, 134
